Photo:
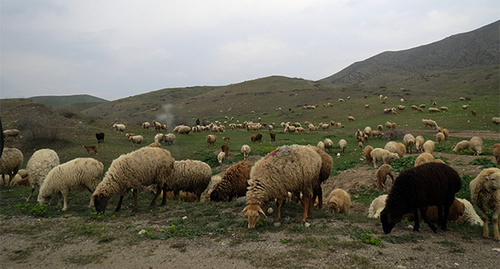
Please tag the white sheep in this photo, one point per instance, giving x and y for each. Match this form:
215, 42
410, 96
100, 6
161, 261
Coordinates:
440, 137
495, 120
82, 174
470, 216
10, 162
376, 206
119, 127
328, 144
39, 165
419, 143
462, 145
485, 194
169, 138
496, 152
295, 169
146, 125
342, 144
396, 147
321, 145
136, 139
430, 123
245, 149
189, 176
339, 201
409, 141
429, 146
383, 155
221, 156
476, 144
143, 167
182, 129
158, 137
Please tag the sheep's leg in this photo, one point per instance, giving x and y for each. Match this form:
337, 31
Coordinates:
279, 203
306, 198
416, 227
119, 206
153, 202
176, 195
134, 194
486, 230
444, 219
426, 219
65, 201
32, 190
164, 199
496, 224
91, 204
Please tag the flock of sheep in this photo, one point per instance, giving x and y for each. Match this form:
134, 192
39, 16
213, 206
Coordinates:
290, 172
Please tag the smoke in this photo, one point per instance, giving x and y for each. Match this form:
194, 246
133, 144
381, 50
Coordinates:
166, 117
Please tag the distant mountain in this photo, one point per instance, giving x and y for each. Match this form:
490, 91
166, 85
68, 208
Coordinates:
477, 48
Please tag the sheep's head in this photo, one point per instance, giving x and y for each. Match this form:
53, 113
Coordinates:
100, 202
43, 199
492, 180
333, 207
217, 196
388, 220
253, 212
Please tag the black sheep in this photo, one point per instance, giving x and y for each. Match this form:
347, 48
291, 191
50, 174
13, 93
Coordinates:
430, 184
100, 137
273, 137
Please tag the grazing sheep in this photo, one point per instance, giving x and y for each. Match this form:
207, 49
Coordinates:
457, 210
158, 137
10, 133
342, 144
225, 149
39, 165
328, 144
360, 145
465, 106
380, 127
443, 108
495, 120
485, 194
339, 201
136, 139
90, 148
351, 118
474, 113
245, 149
143, 167
424, 158
255, 138
429, 146
366, 152
233, 184
433, 109
189, 176
226, 139
462, 145
221, 157
321, 145
146, 125
430, 123
157, 125
496, 152
383, 155
417, 188
211, 138
440, 137
376, 206
82, 174
293, 169
393, 126
119, 127
182, 129
377, 134
470, 216
99, 137
382, 173
476, 144
155, 144
445, 131
419, 143
324, 174
409, 141
10, 162
396, 147
169, 138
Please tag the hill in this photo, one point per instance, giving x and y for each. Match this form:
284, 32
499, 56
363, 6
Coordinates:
478, 48
57, 101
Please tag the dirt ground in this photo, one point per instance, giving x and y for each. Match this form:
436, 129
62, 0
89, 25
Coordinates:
448, 249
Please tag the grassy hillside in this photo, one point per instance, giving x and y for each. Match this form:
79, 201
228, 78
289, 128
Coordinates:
57, 101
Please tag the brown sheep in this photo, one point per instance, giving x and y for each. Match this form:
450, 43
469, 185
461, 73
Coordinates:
382, 173
496, 152
233, 184
339, 201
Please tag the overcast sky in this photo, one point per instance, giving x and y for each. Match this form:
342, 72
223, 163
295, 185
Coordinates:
115, 49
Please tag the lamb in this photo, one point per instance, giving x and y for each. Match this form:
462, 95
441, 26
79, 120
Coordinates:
383, 155
146, 125
328, 144
245, 149
440, 137
136, 139
342, 144
10, 162
189, 176
91, 148
119, 127
462, 145
419, 143
339, 201
376, 206
143, 167
496, 152
99, 137
39, 165
169, 138
382, 173
417, 188
485, 194
476, 144
233, 184
395, 147
409, 141
429, 146
221, 157
294, 169
80, 174
211, 138
10, 133
366, 152
470, 216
